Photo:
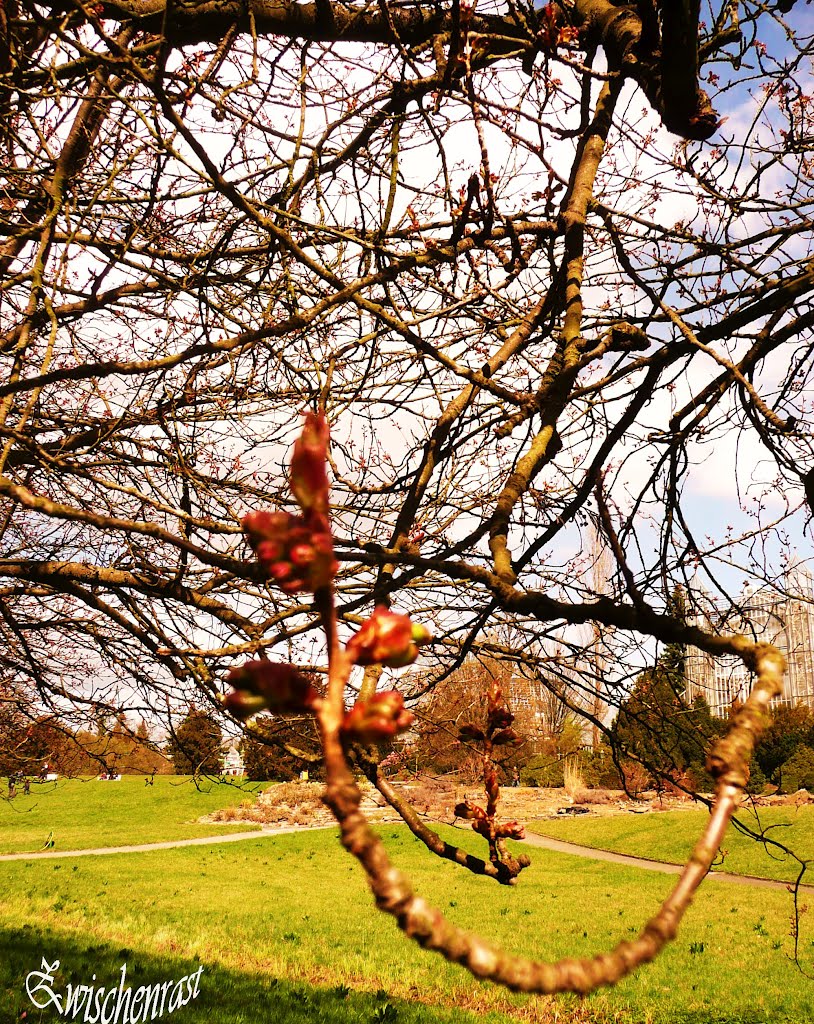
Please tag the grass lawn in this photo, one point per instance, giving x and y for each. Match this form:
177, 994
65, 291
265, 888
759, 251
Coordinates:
669, 836
286, 932
84, 813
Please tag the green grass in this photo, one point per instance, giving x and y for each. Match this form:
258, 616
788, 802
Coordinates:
669, 836
233, 996
286, 932
85, 813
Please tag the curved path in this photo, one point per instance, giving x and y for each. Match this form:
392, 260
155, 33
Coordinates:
558, 846
532, 838
231, 837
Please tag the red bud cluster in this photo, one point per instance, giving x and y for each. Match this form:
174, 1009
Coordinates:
498, 715
387, 639
499, 718
486, 826
491, 785
481, 822
295, 553
380, 718
497, 732
268, 686
504, 736
498, 721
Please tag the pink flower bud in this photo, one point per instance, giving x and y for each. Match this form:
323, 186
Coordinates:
295, 585
264, 525
309, 480
268, 685
388, 639
279, 571
377, 719
302, 554
270, 550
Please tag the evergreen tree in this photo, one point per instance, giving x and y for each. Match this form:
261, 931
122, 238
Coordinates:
195, 746
270, 750
656, 723
789, 729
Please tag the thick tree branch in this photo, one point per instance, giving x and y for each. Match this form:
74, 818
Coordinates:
667, 75
499, 871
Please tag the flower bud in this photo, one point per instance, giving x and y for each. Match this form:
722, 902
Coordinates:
302, 554
470, 734
280, 571
265, 525
490, 783
500, 718
505, 736
380, 718
268, 685
388, 639
510, 830
309, 480
270, 550
243, 704
466, 810
484, 827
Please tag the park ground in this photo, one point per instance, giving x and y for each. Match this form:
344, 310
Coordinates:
284, 929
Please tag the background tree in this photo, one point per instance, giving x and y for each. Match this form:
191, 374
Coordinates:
436, 746
798, 771
669, 737
279, 749
790, 728
121, 749
13, 736
196, 746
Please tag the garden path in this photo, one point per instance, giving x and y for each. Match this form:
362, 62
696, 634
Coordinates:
556, 845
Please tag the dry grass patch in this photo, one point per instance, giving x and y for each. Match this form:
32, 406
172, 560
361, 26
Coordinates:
289, 803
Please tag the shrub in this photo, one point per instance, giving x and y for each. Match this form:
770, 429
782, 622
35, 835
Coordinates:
598, 769
572, 780
798, 771
543, 770
699, 778
757, 780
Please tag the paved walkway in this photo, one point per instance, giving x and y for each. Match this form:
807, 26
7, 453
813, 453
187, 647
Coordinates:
558, 846
231, 837
532, 838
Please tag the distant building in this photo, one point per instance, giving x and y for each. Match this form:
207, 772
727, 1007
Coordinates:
233, 763
783, 619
